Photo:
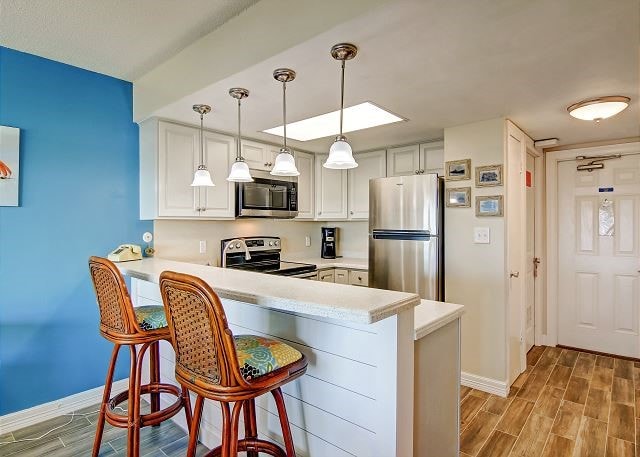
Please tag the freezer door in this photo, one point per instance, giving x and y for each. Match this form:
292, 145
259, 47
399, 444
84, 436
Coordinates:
404, 203
407, 265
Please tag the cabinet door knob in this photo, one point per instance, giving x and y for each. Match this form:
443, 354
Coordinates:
514, 274
351, 212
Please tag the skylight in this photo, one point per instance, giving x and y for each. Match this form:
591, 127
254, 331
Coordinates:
357, 117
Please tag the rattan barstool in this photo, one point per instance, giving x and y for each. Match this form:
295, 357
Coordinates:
124, 325
217, 365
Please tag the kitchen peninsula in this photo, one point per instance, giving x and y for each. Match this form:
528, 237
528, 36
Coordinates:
358, 397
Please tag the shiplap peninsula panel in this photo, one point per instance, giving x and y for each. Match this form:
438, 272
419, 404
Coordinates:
353, 399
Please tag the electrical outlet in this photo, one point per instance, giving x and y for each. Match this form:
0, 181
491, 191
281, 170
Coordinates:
481, 235
307, 241
203, 246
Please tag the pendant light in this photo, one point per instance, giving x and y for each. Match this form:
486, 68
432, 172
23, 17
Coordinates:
285, 163
239, 170
202, 177
340, 153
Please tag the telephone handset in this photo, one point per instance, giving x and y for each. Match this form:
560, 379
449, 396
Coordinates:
125, 253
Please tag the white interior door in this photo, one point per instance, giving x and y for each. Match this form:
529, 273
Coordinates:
599, 256
515, 213
530, 260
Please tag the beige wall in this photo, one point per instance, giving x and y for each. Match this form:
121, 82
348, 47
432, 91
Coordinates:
180, 239
474, 273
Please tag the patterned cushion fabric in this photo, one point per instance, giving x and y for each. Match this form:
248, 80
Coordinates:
150, 317
258, 355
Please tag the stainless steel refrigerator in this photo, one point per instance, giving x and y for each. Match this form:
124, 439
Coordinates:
405, 235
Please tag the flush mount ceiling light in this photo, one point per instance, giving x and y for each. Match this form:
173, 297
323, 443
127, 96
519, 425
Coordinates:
202, 177
340, 153
239, 170
358, 117
285, 163
596, 109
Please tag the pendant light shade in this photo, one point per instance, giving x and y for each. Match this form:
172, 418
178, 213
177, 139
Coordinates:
340, 153
202, 177
239, 170
285, 162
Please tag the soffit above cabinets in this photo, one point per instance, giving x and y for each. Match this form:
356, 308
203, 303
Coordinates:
441, 64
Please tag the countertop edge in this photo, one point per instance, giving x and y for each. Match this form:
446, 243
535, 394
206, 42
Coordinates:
445, 318
300, 307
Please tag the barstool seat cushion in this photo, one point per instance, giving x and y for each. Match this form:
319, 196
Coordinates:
150, 317
258, 355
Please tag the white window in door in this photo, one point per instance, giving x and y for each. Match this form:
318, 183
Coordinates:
599, 256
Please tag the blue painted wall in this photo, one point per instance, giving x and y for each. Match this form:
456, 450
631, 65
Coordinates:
78, 197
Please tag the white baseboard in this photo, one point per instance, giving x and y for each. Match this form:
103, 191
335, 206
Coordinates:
26, 417
489, 385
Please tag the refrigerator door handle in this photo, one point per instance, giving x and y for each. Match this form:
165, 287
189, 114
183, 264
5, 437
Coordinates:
414, 235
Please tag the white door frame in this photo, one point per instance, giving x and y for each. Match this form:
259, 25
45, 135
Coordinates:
520, 187
552, 161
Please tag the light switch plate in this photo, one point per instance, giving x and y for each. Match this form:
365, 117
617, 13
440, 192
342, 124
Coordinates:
203, 246
481, 235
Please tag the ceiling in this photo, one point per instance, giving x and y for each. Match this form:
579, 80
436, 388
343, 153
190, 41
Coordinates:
440, 63
121, 38
437, 63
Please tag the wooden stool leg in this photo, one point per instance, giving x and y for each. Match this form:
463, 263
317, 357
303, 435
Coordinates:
105, 399
235, 424
131, 408
154, 374
284, 422
226, 428
195, 426
250, 426
186, 403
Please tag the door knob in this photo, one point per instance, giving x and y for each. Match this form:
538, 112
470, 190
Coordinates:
514, 274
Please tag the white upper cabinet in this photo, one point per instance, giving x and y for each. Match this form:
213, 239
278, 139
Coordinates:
169, 156
304, 162
218, 201
370, 165
331, 191
403, 161
432, 157
259, 156
178, 151
416, 159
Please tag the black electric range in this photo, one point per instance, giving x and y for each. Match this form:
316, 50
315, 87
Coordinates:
263, 256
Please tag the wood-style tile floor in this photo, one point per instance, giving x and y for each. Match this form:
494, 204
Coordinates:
76, 438
566, 403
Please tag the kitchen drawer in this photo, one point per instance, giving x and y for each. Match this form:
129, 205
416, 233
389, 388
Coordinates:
341, 276
326, 276
359, 278
146, 289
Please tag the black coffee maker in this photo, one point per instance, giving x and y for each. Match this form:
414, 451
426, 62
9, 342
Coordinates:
329, 235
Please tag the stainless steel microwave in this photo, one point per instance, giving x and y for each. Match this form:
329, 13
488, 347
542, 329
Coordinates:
267, 196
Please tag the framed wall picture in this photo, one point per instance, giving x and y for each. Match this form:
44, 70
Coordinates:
9, 166
457, 170
459, 197
490, 175
489, 206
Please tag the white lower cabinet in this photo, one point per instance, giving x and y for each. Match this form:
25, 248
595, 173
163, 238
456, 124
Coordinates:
331, 191
169, 156
344, 276
370, 165
341, 276
326, 275
306, 202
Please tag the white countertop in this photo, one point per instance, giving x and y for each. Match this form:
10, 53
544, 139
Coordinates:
431, 315
354, 263
315, 298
